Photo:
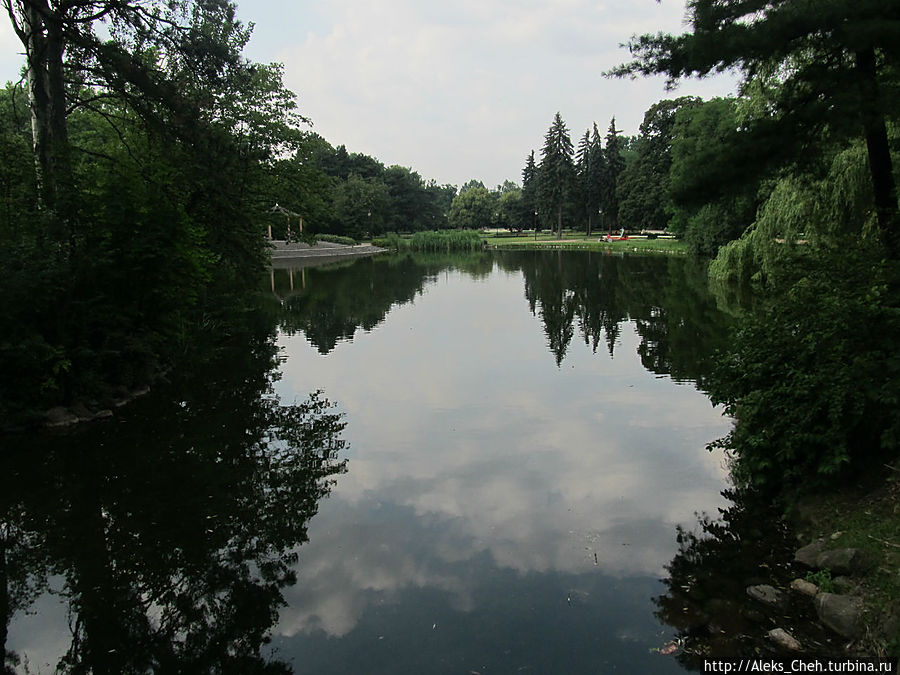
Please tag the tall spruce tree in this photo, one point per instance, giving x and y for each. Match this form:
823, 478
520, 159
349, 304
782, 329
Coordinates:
582, 178
556, 171
589, 165
597, 168
530, 189
614, 164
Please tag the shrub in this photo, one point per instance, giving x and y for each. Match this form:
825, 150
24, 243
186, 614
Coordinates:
813, 379
336, 239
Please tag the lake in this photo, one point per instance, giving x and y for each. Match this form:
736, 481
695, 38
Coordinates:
489, 479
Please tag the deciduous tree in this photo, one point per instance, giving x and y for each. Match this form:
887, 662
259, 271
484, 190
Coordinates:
644, 184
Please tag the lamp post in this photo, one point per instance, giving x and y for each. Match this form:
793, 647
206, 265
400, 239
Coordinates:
535, 225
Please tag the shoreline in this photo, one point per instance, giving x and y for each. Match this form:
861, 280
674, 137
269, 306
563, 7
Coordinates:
286, 254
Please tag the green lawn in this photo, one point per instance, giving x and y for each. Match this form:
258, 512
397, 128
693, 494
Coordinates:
578, 241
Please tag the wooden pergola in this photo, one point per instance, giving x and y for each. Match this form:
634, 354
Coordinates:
288, 214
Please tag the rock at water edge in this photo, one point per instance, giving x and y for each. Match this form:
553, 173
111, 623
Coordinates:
768, 595
842, 561
841, 613
809, 554
804, 587
784, 639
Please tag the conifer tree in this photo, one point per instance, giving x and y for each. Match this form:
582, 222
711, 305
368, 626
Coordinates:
530, 189
614, 164
589, 175
556, 172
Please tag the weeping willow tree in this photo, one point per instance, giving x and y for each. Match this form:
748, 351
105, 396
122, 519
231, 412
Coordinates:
802, 216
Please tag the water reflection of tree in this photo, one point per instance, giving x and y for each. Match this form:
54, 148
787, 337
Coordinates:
592, 294
175, 527
338, 300
683, 326
706, 600
666, 298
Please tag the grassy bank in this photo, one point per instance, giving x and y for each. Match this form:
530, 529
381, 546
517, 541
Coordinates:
432, 242
578, 241
472, 240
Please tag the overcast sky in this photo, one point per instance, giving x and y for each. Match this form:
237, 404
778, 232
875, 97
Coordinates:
454, 90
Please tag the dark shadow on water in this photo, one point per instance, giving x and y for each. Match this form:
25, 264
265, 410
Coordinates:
173, 527
706, 600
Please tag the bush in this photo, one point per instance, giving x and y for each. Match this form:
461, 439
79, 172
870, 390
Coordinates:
813, 379
391, 240
336, 239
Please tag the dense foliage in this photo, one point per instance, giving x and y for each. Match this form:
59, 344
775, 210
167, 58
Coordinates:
352, 194
143, 155
122, 241
797, 194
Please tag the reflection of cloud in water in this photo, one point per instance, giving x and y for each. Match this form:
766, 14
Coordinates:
41, 635
585, 467
366, 553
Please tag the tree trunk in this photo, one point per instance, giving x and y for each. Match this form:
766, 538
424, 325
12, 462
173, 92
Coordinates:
559, 222
880, 165
44, 47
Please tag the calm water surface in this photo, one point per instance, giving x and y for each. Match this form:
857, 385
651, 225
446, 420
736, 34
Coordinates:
516, 471
522, 434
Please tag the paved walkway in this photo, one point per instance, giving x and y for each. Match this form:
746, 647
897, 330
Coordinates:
297, 253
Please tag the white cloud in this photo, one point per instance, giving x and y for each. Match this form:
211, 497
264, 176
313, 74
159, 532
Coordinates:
467, 89
454, 90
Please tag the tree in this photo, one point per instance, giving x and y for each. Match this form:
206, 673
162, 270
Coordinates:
834, 63
556, 172
811, 376
408, 200
440, 198
361, 207
706, 219
530, 183
301, 184
472, 208
509, 210
469, 184
17, 174
614, 164
589, 175
643, 187
127, 120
